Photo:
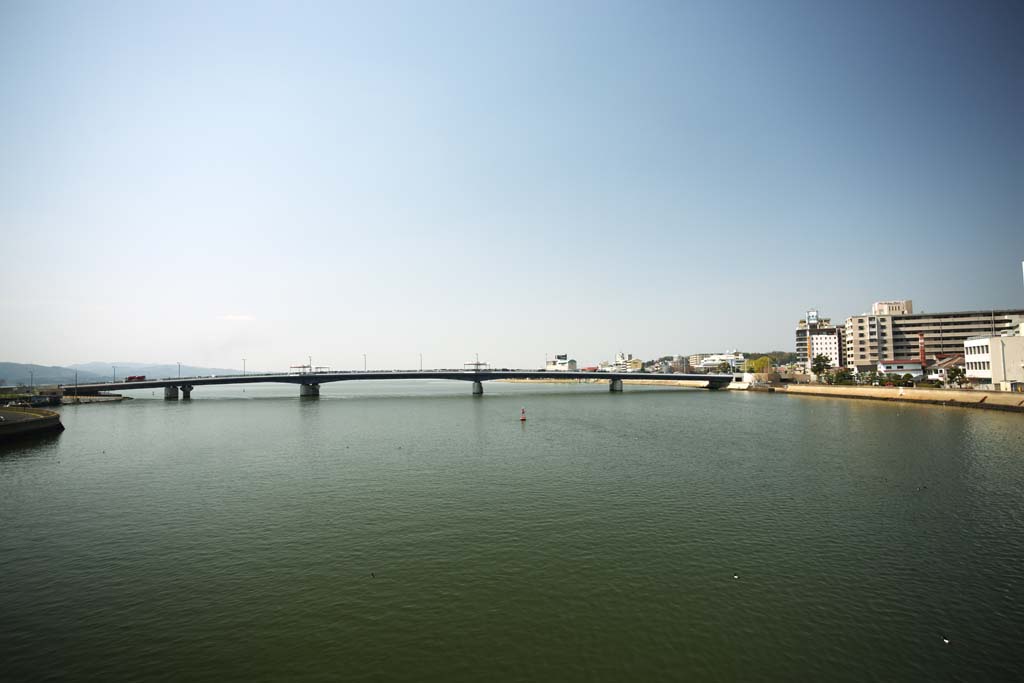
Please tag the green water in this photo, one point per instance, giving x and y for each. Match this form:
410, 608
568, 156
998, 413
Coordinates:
408, 531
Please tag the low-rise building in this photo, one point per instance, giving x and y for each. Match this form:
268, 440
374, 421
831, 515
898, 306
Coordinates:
561, 363
995, 362
901, 366
937, 370
713, 361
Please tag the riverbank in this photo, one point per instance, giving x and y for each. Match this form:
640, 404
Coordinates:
604, 380
990, 400
72, 400
23, 421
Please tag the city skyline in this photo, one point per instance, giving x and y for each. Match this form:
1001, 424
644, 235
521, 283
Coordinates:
207, 184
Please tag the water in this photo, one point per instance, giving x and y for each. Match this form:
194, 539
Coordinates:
407, 531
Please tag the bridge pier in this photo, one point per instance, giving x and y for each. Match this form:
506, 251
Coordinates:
186, 392
171, 393
615, 385
309, 390
478, 388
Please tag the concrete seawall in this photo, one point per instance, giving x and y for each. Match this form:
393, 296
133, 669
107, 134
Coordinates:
991, 400
22, 421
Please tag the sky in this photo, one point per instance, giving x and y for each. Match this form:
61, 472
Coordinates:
206, 182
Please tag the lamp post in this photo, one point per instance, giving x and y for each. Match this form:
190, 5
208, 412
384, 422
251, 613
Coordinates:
364, 362
31, 382
115, 373
179, 369
243, 367
421, 362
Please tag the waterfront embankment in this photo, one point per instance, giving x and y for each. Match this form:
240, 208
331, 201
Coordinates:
604, 380
992, 400
101, 398
22, 421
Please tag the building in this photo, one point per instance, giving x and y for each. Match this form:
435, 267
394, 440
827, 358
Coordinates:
897, 307
711, 362
901, 366
815, 326
870, 338
828, 344
680, 364
696, 359
996, 362
938, 369
561, 363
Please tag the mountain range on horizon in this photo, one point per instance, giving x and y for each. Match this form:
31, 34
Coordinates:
15, 374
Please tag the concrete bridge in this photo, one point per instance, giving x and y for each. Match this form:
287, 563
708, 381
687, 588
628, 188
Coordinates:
309, 382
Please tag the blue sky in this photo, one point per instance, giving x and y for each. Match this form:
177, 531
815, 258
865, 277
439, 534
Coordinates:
278, 180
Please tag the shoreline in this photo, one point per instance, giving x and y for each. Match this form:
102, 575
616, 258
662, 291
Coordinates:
963, 398
985, 400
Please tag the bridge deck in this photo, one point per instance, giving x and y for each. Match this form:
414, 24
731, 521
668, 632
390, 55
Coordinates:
711, 381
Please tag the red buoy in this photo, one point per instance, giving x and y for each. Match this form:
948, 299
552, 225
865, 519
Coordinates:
522, 417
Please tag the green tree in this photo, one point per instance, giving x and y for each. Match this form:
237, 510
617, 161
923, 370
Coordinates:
957, 376
820, 364
724, 367
762, 364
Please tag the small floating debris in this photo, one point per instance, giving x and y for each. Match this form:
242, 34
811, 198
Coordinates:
735, 576
945, 640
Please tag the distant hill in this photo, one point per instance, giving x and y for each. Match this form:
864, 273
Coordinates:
152, 370
13, 374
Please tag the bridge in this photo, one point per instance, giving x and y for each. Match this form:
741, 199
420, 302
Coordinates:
309, 382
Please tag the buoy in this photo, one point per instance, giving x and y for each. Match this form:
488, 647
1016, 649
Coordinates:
522, 416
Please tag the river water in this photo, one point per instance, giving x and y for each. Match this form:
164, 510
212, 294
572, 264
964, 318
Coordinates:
406, 530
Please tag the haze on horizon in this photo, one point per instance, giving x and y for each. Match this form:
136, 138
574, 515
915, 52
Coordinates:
261, 180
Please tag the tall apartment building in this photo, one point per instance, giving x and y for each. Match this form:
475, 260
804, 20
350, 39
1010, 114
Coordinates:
828, 335
872, 337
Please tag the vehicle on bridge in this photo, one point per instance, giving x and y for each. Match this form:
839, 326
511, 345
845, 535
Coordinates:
135, 378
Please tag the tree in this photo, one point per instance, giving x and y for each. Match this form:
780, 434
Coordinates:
724, 367
957, 376
762, 364
820, 364
842, 376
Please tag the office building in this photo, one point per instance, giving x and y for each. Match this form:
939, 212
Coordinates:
871, 338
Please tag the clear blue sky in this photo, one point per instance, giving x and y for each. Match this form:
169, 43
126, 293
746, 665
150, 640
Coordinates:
277, 180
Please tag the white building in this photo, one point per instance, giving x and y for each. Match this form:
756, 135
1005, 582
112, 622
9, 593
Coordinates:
711, 362
995, 362
622, 362
561, 363
901, 366
825, 344
897, 307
